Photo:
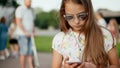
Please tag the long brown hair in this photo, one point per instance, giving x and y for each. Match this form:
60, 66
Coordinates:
94, 42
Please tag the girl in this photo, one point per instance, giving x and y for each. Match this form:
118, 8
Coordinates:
81, 42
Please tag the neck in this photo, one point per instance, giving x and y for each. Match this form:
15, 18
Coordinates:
27, 6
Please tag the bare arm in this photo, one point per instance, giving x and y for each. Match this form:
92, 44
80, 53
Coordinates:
56, 60
11, 30
113, 58
34, 31
19, 24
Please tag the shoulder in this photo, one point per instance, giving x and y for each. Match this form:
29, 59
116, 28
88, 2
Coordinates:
12, 25
109, 42
19, 7
58, 37
107, 35
106, 32
57, 40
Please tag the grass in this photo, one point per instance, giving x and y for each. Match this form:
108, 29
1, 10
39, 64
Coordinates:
44, 43
118, 49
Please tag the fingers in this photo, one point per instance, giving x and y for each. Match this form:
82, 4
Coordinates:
81, 65
68, 65
87, 65
66, 59
27, 34
35, 34
90, 65
73, 65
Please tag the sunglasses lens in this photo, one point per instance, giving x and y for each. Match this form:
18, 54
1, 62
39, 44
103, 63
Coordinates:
68, 18
82, 16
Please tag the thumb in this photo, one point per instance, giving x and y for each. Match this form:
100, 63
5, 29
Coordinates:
82, 65
66, 59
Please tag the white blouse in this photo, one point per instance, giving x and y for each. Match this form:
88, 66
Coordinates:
69, 45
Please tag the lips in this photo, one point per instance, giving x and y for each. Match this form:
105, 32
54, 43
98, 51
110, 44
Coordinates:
77, 26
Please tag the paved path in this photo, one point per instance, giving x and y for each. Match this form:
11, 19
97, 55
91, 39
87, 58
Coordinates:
47, 32
45, 60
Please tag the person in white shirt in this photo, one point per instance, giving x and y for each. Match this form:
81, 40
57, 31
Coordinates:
25, 28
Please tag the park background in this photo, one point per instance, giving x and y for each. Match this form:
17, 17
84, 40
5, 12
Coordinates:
47, 18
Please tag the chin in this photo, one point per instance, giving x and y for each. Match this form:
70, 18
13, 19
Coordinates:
28, 5
77, 29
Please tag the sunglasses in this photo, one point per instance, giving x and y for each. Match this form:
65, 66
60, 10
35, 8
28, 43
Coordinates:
80, 16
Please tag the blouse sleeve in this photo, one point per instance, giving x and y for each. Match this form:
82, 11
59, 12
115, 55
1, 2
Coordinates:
56, 43
109, 41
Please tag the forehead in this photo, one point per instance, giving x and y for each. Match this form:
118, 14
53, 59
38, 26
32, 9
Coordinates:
27, 0
72, 8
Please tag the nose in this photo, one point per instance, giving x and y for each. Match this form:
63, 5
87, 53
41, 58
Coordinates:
76, 20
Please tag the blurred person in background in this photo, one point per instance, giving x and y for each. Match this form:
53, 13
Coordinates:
113, 27
25, 28
3, 39
13, 43
100, 20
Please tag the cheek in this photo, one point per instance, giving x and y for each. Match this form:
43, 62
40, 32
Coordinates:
70, 24
82, 22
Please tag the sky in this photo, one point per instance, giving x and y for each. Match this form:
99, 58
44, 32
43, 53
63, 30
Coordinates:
48, 5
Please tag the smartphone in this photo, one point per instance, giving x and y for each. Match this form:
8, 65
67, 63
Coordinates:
71, 62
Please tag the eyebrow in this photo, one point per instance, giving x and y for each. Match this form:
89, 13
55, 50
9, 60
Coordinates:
75, 14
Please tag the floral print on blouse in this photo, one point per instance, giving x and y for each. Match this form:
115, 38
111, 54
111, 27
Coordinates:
69, 45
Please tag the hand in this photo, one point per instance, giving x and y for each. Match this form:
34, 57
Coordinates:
27, 34
34, 34
66, 65
10, 34
87, 65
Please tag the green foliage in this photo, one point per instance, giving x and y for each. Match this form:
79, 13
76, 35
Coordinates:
15, 4
44, 43
45, 19
12, 3
118, 49
3, 2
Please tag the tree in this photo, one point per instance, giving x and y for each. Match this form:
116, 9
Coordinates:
9, 3
3, 2
8, 6
45, 19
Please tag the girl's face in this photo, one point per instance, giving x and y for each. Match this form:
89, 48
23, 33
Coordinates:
75, 15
